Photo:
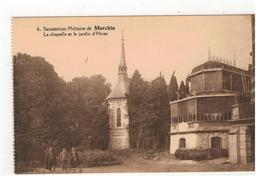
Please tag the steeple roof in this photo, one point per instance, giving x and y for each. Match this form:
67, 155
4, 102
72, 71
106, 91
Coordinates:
122, 58
119, 91
122, 86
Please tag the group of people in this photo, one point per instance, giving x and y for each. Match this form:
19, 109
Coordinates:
64, 159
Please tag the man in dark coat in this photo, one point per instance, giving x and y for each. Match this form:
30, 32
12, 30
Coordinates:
64, 159
50, 159
74, 158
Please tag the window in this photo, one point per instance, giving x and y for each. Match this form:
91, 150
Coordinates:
182, 143
118, 117
112, 117
218, 116
228, 116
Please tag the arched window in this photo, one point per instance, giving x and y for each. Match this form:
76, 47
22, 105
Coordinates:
182, 143
118, 117
111, 117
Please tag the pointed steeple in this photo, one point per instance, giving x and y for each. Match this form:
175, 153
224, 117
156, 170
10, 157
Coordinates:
122, 86
122, 58
122, 68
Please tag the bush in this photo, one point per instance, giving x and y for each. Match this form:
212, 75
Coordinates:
21, 167
213, 153
97, 158
126, 153
199, 154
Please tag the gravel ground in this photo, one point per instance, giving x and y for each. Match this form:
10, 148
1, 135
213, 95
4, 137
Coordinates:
159, 164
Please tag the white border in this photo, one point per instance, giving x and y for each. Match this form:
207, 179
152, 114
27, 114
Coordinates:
10, 8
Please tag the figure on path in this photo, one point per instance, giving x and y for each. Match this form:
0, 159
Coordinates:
74, 158
64, 159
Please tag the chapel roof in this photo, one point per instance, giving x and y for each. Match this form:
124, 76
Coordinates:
120, 90
215, 64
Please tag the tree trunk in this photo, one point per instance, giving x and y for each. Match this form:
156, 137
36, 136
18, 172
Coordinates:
139, 137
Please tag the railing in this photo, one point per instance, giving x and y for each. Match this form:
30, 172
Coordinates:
200, 117
243, 111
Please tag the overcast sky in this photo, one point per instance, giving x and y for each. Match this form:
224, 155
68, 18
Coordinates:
153, 44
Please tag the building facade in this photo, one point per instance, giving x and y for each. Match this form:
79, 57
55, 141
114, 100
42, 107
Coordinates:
205, 119
242, 133
117, 106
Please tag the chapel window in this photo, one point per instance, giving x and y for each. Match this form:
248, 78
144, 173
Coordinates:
118, 117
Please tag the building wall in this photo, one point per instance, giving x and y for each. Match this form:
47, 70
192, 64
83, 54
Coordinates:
196, 83
207, 81
219, 80
204, 140
213, 81
241, 144
202, 109
233, 81
191, 141
119, 139
215, 104
119, 136
181, 109
200, 140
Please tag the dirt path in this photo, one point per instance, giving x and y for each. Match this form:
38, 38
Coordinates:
172, 165
137, 165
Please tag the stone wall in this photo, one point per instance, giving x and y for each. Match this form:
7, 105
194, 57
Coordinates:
119, 136
241, 144
204, 140
191, 141
197, 140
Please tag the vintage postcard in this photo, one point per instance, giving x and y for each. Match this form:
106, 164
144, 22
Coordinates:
102, 94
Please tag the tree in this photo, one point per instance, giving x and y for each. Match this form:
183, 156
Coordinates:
37, 105
183, 90
85, 98
149, 112
100, 127
160, 111
51, 112
173, 88
137, 109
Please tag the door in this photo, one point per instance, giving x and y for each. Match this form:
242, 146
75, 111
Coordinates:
216, 146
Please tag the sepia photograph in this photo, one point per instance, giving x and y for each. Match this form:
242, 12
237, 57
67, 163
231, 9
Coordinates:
127, 94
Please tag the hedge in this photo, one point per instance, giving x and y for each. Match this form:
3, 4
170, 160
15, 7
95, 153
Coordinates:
97, 158
199, 154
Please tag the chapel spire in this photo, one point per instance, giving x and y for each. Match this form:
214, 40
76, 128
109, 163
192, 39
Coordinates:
122, 69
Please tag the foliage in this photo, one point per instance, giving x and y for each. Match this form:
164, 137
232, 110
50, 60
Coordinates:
173, 88
148, 108
38, 105
137, 109
100, 130
183, 90
160, 108
51, 112
97, 158
199, 154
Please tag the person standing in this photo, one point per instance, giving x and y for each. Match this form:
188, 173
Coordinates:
64, 159
74, 158
50, 159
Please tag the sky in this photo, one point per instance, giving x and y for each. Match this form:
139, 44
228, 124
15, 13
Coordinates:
153, 44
